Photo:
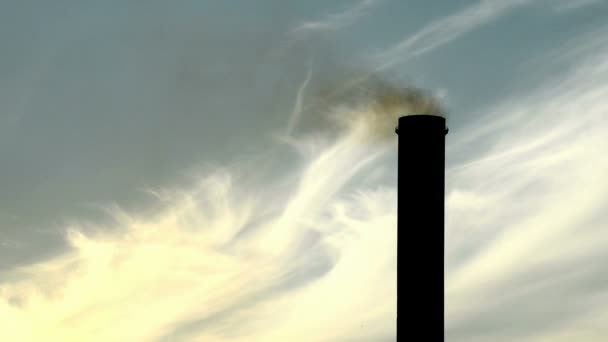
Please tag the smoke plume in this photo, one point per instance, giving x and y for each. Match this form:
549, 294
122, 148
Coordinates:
345, 98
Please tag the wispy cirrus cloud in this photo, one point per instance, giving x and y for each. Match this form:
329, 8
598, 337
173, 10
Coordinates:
432, 36
525, 218
572, 5
338, 20
184, 274
445, 30
525, 232
298, 103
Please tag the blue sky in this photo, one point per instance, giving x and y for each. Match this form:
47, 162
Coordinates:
118, 115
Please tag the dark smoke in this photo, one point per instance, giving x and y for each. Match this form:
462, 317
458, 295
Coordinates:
341, 95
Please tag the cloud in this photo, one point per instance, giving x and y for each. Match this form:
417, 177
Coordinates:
525, 218
339, 20
297, 106
182, 274
432, 36
571, 5
315, 32
525, 239
445, 30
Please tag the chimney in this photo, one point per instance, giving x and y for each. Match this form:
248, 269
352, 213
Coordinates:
420, 226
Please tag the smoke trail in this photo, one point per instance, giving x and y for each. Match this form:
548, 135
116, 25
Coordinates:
336, 105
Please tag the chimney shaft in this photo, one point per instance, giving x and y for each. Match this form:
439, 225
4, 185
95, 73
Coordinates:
420, 226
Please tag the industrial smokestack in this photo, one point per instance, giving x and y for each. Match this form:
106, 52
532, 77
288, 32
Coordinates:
420, 225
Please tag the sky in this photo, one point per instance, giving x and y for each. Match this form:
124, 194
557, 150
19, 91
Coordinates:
221, 171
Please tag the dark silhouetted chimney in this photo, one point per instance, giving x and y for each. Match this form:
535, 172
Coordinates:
420, 224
